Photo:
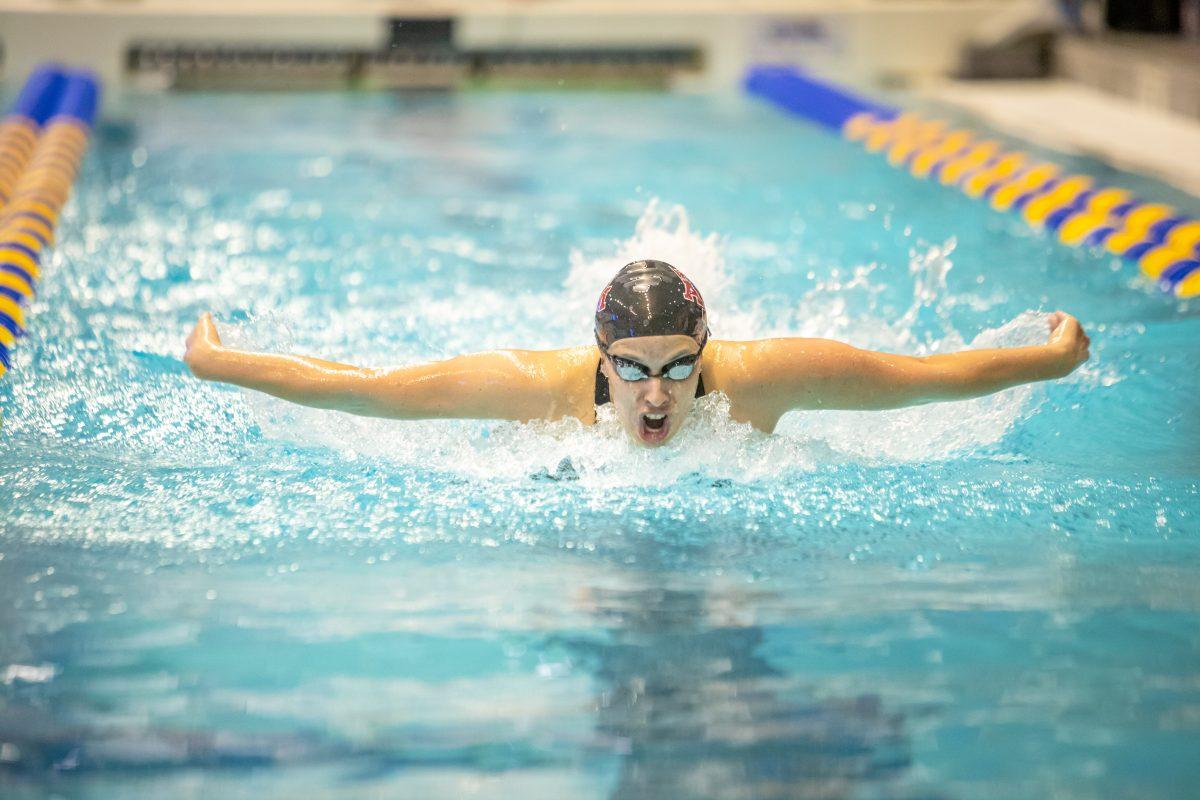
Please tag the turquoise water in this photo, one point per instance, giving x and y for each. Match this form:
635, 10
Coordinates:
205, 593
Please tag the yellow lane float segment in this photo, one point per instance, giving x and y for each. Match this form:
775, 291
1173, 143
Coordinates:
1156, 260
1001, 169
974, 158
20, 258
1078, 227
12, 309
19, 206
953, 144
924, 135
1095, 215
1185, 236
858, 126
8, 174
23, 239
38, 190
63, 163
19, 126
59, 167
1136, 225
1064, 193
10, 280
18, 132
1182, 243
1105, 200
889, 132
34, 181
17, 135
1189, 286
13, 158
30, 225
879, 135
1033, 179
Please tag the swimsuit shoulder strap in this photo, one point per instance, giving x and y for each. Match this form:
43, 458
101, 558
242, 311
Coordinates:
601, 392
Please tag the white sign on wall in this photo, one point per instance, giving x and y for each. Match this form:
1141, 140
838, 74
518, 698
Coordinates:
808, 41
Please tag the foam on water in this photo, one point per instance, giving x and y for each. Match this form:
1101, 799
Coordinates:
710, 442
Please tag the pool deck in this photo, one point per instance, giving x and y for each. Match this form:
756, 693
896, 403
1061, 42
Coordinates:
1075, 118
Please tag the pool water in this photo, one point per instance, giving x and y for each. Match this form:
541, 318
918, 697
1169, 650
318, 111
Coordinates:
209, 593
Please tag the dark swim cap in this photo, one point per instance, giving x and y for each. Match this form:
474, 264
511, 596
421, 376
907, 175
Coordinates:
650, 298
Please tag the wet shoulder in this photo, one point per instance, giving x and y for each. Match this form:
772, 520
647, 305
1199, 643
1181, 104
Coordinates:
726, 364
729, 367
570, 373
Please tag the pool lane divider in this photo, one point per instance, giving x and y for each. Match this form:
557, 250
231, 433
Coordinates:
42, 141
1164, 243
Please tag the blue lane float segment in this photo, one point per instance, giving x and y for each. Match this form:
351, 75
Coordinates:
1097, 237
22, 249
1056, 218
809, 98
10, 325
1159, 230
36, 217
80, 98
40, 95
20, 272
1172, 275
1138, 250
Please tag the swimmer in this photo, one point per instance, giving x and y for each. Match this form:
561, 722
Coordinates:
652, 358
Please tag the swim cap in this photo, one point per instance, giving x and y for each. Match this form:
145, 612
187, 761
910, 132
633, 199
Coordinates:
650, 298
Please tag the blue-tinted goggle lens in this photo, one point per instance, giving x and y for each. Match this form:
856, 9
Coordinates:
678, 370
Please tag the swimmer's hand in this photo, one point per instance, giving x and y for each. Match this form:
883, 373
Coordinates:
203, 348
1068, 341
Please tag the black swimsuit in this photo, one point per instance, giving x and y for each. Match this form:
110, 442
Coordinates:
602, 395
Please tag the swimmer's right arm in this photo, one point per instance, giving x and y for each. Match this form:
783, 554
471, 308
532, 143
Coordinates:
494, 385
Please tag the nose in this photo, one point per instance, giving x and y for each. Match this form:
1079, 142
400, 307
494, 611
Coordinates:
656, 394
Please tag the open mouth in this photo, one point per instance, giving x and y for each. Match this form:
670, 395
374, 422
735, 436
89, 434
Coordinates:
654, 428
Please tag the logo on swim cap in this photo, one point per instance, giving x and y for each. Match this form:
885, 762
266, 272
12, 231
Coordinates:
690, 292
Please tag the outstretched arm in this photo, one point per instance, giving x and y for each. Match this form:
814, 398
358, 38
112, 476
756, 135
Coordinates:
517, 385
820, 373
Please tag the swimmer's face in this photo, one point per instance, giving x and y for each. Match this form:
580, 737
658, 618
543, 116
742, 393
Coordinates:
652, 409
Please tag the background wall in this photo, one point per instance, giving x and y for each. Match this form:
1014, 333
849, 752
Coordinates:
857, 40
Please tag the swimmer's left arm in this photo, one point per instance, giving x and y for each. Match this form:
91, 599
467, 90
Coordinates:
823, 374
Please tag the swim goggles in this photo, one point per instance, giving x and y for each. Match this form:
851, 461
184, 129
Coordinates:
678, 370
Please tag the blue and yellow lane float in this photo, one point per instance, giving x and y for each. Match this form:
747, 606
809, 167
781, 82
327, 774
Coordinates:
42, 141
1162, 242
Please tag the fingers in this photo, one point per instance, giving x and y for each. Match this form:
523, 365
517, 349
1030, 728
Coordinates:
207, 328
212, 328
